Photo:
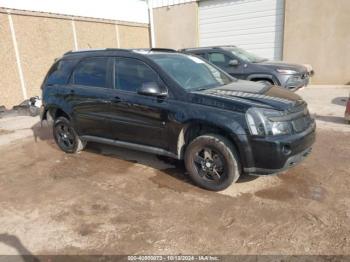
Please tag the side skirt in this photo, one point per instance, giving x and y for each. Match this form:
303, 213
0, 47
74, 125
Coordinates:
144, 148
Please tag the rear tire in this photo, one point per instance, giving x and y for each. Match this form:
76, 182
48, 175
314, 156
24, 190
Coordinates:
212, 162
65, 136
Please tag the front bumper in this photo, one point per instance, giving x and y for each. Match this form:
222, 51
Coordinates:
290, 162
296, 81
272, 155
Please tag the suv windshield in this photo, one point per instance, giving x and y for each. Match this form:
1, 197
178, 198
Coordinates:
190, 72
245, 55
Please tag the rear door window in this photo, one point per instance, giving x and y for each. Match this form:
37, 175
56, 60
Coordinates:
60, 72
91, 72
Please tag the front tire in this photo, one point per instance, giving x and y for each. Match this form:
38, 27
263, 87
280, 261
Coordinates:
212, 162
65, 136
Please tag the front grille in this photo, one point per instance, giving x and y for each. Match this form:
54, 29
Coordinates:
304, 75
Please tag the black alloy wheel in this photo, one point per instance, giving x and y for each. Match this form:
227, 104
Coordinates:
66, 137
212, 162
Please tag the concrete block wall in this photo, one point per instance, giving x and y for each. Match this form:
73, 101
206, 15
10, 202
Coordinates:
10, 86
42, 37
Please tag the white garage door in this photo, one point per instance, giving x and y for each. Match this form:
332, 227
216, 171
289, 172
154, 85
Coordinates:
255, 25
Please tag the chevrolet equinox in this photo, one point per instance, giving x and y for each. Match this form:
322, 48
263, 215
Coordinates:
176, 105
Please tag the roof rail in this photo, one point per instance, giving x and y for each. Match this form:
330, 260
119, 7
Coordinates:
205, 47
94, 50
218, 46
120, 49
147, 50
162, 49
84, 50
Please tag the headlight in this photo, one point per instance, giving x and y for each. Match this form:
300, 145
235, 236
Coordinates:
281, 128
286, 71
259, 123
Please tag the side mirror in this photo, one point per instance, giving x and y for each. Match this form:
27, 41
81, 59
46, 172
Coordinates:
152, 89
233, 62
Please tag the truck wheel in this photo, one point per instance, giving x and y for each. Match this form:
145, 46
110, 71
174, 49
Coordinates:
212, 162
66, 137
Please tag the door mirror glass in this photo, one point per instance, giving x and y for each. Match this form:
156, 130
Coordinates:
152, 89
233, 62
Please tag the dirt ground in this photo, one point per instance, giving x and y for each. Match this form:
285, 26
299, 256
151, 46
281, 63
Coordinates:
106, 200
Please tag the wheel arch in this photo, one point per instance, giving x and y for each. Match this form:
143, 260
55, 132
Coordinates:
270, 78
195, 128
54, 112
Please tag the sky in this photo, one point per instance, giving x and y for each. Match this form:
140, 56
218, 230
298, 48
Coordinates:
126, 10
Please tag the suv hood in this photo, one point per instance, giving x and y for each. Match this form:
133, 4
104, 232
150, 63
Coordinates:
254, 94
283, 65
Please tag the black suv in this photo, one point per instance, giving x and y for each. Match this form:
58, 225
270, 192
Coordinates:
176, 105
244, 65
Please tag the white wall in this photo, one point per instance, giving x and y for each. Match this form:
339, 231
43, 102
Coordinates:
254, 25
126, 10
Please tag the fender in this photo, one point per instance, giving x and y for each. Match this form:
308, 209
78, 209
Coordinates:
239, 141
52, 107
266, 76
227, 121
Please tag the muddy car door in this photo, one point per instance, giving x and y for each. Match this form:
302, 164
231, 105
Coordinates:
135, 117
90, 96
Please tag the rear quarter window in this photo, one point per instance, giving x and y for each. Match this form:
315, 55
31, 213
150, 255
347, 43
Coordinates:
60, 72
